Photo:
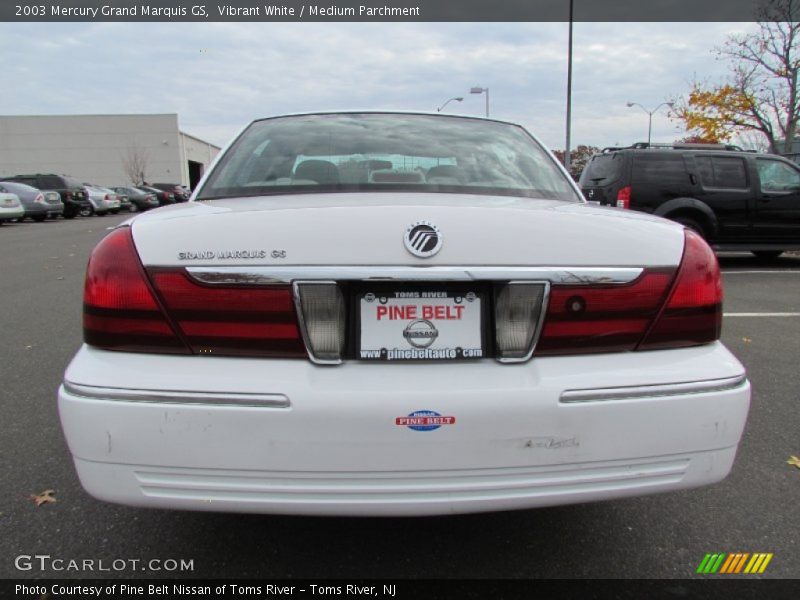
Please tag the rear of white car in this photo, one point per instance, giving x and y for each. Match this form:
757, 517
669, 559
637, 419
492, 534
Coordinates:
398, 351
10, 207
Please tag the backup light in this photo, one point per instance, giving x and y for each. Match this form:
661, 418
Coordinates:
519, 312
321, 311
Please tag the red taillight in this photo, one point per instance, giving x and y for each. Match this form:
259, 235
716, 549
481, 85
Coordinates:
108, 197
120, 311
602, 318
235, 321
39, 198
624, 197
661, 309
123, 311
693, 313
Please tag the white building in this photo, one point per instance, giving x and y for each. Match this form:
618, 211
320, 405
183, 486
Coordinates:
100, 149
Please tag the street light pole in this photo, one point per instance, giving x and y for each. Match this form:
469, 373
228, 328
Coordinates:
480, 90
567, 158
457, 99
650, 114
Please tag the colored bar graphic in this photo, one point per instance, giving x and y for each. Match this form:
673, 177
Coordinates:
734, 563
702, 567
715, 567
725, 567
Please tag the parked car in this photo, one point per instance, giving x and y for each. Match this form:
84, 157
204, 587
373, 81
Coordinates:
10, 207
736, 200
471, 336
164, 197
180, 192
36, 204
103, 200
69, 189
139, 199
124, 200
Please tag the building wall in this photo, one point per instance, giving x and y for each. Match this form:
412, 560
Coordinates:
94, 148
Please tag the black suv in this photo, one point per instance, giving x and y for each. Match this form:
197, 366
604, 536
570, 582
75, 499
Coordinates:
737, 200
71, 190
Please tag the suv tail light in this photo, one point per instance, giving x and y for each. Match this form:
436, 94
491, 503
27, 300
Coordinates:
123, 310
624, 197
693, 313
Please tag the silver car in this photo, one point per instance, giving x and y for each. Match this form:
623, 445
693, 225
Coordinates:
103, 201
37, 204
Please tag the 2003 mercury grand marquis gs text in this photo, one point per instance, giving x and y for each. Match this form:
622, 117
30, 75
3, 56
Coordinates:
398, 314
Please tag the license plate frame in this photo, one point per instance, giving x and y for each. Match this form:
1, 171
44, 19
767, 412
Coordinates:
475, 314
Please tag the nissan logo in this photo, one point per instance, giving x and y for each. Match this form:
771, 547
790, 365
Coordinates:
420, 333
423, 239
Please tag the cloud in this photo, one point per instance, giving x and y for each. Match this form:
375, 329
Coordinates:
219, 76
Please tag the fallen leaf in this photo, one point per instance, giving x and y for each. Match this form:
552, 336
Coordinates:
794, 461
45, 497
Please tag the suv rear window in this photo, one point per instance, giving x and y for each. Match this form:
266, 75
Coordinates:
659, 168
602, 169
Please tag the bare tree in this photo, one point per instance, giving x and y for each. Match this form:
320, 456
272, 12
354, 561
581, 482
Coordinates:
761, 93
753, 140
135, 163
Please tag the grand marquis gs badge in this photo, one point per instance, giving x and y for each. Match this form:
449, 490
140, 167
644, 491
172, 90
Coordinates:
423, 239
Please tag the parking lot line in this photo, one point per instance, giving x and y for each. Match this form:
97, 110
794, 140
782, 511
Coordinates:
761, 271
764, 314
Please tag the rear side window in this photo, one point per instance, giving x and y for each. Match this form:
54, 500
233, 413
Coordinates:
660, 169
50, 182
603, 169
727, 172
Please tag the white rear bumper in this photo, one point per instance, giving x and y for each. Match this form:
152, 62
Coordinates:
275, 436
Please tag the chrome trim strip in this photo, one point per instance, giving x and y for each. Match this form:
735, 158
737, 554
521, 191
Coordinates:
177, 397
277, 275
539, 324
301, 321
650, 391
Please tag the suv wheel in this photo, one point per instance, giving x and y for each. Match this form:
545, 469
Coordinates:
691, 224
86, 211
767, 253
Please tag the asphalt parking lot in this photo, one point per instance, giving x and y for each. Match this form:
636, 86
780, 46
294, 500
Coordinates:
754, 510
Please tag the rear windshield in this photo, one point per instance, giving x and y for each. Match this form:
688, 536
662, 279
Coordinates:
71, 182
602, 169
374, 152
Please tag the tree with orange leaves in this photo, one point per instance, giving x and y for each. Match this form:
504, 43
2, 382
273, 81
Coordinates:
761, 93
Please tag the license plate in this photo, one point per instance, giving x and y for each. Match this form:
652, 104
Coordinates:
420, 325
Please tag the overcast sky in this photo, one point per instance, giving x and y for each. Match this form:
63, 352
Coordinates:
219, 76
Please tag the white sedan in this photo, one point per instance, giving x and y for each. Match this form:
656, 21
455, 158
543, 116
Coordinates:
10, 207
398, 314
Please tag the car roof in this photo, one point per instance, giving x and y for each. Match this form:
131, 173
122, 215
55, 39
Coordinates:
388, 112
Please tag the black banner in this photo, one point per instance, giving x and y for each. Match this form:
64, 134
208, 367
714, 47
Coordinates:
634, 589
379, 10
